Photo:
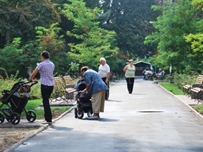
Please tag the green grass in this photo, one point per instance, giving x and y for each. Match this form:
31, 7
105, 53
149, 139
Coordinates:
172, 88
199, 108
33, 104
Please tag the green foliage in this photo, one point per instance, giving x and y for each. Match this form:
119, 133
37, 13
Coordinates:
50, 39
196, 39
177, 20
35, 104
18, 18
172, 88
182, 79
130, 19
199, 108
92, 42
10, 54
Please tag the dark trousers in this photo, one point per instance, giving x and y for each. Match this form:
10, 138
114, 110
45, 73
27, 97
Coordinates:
130, 83
104, 79
107, 84
46, 93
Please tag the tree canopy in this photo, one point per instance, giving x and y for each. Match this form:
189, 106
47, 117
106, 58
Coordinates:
177, 20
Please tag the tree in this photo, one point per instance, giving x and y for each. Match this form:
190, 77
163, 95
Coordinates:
177, 20
19, 18
91, 41
131, 21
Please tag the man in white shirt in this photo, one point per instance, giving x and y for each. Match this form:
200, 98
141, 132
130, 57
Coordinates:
104, 72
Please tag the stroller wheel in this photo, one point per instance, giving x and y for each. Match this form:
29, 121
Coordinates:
76, 111
1, 118
8, 118
31, 116
15, 118
89, 113
80, 114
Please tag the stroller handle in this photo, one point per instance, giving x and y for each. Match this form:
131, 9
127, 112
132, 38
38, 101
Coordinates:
31, 82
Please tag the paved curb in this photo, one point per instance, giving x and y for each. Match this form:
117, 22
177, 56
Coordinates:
10, 149
198, 114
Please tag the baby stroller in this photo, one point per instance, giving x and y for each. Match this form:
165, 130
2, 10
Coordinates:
14, 102
84, 104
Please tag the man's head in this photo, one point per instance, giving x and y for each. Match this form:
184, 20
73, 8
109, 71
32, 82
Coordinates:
83, 69
102, 61
45, 55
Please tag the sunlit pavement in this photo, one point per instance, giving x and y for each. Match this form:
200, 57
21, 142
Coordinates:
148, 120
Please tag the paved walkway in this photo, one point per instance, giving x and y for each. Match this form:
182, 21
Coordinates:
148, 120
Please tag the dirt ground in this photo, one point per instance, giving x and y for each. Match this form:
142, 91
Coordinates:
10, 136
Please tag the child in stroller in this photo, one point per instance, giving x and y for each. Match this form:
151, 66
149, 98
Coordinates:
15, 101
84, 104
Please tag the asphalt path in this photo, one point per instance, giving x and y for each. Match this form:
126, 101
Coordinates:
148, 120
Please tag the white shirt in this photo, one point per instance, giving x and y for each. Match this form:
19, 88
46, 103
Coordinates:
103, 70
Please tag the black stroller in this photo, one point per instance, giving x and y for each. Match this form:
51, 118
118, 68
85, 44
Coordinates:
84, 104
14, 102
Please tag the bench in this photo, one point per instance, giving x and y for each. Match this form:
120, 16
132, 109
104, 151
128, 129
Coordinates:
58, 92
187, 88
63, 89
197, 93
69, 87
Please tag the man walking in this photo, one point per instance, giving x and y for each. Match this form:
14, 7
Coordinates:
104, 73
96, 88
46, 70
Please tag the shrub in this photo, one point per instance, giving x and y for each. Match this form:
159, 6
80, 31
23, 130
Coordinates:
182, 79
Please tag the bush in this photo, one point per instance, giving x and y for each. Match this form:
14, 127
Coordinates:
182, 79
7, 84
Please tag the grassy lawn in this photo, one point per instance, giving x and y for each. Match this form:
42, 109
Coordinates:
199, 108
172, 88
33, 104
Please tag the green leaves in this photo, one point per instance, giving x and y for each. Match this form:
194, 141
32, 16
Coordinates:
172, 27
92, 42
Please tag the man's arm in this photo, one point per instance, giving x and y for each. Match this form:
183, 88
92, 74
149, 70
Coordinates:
34, 73
107, 77
86, 89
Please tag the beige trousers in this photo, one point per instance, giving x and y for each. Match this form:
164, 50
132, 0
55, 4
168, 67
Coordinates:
98, 100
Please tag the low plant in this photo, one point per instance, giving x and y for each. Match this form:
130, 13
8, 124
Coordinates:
172, 88
199, 108
182, 79
35, 104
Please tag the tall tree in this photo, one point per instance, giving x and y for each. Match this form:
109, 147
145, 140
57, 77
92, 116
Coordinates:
19, 18
131, 21
91, 41
177, 20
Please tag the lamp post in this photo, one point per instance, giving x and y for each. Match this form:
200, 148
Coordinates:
170, 71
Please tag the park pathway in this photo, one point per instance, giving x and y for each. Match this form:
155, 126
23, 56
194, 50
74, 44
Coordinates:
148, 120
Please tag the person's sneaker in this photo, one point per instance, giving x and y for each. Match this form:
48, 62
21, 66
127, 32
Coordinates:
45, 122
93, 117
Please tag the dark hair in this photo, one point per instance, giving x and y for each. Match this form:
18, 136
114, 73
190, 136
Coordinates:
45, 54
84, 68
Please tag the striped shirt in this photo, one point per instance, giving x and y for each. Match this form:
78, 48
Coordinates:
130, 72
46, 70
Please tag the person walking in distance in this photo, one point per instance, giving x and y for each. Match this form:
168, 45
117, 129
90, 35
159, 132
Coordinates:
130, 75
104, 73
46, 70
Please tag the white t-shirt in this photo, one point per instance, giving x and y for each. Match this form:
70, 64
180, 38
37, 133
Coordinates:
103, 70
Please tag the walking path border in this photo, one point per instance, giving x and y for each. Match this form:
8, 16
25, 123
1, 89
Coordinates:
10, 149
197, 113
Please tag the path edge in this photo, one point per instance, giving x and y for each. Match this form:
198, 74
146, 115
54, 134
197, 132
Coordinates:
22, 141
196, 113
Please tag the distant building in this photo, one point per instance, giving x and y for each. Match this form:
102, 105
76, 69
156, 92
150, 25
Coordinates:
141, 66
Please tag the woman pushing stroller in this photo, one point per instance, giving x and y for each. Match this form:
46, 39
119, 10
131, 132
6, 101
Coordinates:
96, 88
